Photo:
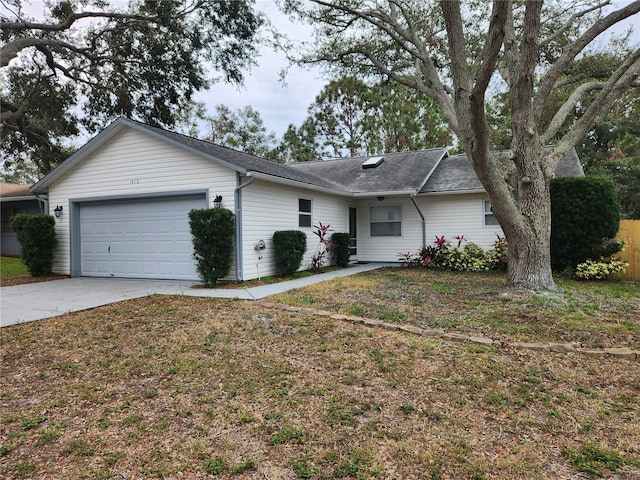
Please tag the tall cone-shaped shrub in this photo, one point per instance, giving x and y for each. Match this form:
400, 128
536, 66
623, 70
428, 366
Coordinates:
212, 231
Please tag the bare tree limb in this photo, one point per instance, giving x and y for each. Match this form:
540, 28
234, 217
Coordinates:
627, 75
73, 18
553, 74
567, 108
524, 79
493, 45
405, 38
562, 30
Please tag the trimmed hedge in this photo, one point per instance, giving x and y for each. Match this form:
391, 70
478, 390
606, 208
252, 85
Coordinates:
289, 247
585, 217
212, 231
341, 248
37, 237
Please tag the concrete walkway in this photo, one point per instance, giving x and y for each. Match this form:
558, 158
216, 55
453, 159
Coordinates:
35, 301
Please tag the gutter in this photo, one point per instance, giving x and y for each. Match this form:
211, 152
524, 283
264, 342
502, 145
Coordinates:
424, 223
385, 193
454, 192
19, 198
238, 202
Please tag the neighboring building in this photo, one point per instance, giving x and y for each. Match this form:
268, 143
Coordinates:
126, 194
14, 199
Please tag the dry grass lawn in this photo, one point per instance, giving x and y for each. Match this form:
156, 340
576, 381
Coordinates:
180, 387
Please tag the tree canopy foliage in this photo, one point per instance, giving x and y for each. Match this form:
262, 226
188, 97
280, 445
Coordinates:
353, 118
89, 61
458, 55
242, 130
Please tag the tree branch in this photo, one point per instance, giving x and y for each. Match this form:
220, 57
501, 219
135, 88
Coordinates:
511, 52
73, 18
566, 109
625, 76
551, 77
492, 47
562, 30
405, 39
523, 86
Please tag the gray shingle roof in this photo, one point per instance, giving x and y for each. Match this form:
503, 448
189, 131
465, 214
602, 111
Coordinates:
455, 173
244, 160
405, 171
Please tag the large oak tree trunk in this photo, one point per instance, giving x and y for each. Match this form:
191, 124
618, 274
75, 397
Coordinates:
523, 208
529, 239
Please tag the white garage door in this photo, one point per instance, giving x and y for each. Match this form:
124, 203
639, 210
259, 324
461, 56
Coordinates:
139, 238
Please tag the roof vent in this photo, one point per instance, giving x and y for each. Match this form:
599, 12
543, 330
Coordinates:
372, 162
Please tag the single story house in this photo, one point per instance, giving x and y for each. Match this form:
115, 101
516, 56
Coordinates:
125, 197
14, 199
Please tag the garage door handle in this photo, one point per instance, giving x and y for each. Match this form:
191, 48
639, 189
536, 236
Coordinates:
109, 249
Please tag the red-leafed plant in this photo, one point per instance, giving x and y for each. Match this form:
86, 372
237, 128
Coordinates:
325, 244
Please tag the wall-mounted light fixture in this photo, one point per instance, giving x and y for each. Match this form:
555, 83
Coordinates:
217, 201
380, 199
57, 211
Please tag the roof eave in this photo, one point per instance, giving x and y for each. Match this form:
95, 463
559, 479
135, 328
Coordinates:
454, 192
18, 198
384, 193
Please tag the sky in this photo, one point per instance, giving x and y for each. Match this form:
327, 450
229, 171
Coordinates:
278, 103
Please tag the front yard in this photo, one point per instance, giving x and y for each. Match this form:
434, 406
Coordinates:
178, 387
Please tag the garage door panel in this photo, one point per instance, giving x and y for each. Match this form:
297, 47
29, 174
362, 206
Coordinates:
132, 226
139, 239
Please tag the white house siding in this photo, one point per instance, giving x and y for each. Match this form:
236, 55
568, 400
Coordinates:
388, 249
447, 215
459, 214
132, 163
267, 207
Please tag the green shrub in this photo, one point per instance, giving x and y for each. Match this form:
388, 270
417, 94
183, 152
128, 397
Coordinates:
37, 237
585, 216
601, 270
496, 258
471, 258
341, 248
289, 247
212, 231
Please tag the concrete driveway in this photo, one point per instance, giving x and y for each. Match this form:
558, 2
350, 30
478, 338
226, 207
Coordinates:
35, 301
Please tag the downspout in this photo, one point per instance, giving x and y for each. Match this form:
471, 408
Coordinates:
238, 201
44, 203
424, 223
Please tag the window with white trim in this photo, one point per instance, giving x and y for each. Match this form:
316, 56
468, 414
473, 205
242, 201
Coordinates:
490, 219
304, 213
385, 221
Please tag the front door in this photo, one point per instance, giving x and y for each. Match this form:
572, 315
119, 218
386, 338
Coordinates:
353, 224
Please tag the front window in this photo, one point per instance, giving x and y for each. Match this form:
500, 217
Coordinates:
385, 221
7, 214
304, 213
489, 218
